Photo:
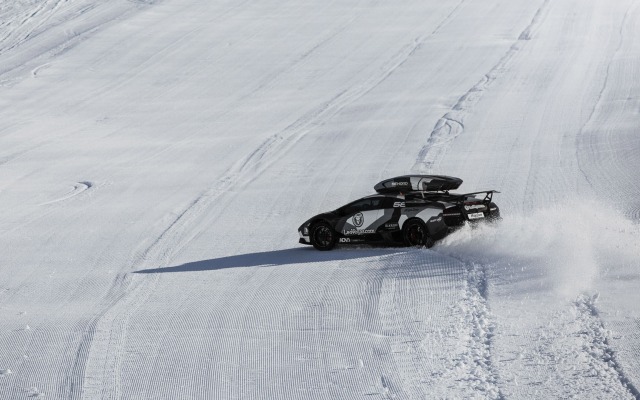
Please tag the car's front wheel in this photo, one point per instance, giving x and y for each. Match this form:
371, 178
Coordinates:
323, 237
416, 235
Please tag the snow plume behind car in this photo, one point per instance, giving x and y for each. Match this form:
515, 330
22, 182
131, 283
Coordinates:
565, 247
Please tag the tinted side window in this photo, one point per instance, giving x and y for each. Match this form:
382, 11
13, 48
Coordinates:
349, 209
377, 203
361, 205
389, 202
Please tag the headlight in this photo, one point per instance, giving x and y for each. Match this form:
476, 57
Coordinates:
305, 230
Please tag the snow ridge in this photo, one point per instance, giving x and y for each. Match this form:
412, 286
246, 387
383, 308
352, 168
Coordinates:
451, 125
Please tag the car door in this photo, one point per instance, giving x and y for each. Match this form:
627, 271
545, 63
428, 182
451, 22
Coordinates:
391, 212
362, 217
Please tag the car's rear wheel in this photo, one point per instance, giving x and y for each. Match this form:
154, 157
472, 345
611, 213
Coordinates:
323, 237
416, 235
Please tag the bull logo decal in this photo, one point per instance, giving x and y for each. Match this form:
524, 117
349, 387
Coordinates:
358, 220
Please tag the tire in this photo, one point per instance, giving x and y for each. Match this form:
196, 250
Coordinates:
415, 234
494, 216
323, 237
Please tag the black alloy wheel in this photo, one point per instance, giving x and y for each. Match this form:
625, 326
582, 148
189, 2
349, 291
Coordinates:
416, 235
323, 237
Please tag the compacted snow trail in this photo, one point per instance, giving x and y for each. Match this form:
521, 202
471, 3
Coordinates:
156, 159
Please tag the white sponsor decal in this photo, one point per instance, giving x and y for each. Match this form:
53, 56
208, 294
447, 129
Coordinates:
399, 183
358, 219
399, 204
345, 240
474, 207
357, 232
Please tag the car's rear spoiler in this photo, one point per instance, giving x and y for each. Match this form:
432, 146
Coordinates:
459, 198
464, 199
487, 197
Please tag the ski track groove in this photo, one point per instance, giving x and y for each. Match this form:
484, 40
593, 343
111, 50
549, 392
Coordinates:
451, 125
406, 340
448, 18
71, 39
295, 131
153, 59
585, 139
265, 83
41, 21
269, 79
108, 337
78, 188
603, 88
11, 157
75, 380
29, 16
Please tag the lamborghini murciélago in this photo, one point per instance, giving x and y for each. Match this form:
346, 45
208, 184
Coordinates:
410, 210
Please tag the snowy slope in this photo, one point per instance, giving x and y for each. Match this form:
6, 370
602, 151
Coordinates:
156, 159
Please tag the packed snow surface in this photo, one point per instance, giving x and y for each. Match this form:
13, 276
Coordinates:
157, 158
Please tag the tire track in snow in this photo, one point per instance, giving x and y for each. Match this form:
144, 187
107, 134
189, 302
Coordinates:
476, 361
475, 366
483, 372
467, 365
596, 343
451, 125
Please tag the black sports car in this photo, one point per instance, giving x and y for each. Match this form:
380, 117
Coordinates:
411, 210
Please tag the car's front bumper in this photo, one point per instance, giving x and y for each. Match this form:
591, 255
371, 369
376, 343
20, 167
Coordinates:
304, 239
